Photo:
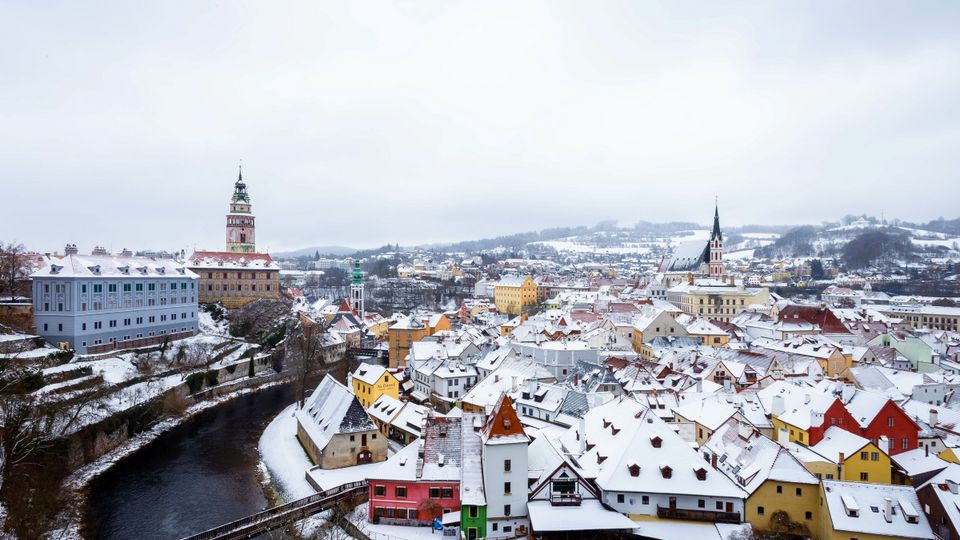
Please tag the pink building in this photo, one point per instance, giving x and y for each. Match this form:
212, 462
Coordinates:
422, 481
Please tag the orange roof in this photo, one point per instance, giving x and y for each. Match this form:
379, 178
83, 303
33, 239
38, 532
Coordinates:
503, 421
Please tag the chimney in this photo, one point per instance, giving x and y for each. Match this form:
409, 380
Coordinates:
582, 433
513, 383
933, 418
952, 486
726, 385
690, 278
884, 444
99, 250
888, 509
700, 385
926, 450
70, 249
713, 460
777, 407
806, 399
126, 253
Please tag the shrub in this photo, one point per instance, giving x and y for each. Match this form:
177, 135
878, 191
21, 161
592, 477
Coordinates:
195, 382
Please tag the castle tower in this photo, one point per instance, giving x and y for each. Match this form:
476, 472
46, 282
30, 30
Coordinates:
716, 247
240, 221
356, 289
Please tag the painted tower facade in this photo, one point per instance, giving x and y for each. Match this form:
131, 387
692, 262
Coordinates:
356, 289
240, 221
716, 247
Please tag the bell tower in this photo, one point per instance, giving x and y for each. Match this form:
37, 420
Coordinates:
356, 289
716, 247
241, 229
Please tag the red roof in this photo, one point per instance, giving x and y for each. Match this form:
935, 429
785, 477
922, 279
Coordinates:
822, 317
230, 256
503, 420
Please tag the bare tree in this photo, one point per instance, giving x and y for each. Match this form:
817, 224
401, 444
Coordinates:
15, 268
305, 354
200, 354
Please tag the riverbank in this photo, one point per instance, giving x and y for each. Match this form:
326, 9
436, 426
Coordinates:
70, 522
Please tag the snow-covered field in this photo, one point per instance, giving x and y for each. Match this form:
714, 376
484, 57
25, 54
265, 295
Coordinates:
283, 459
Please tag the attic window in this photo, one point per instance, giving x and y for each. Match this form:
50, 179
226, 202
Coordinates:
634, 470
507, 423
55, 269
590, 446
606, 424
657, 442
601, 459
701, 474
666, 471
614, 430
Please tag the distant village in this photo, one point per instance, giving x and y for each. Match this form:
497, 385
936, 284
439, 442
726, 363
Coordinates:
664, 389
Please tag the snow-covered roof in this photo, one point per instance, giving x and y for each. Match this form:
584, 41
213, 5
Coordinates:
590, 515
858, 507
749, 458
330, 410
370, 373
622, 434
228, 260
112, 266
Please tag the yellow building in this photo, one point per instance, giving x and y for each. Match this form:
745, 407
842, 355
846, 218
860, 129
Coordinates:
779, 488
707, 332
849, 457
372, 381
870, 512
401, 335
513, 295
718, 299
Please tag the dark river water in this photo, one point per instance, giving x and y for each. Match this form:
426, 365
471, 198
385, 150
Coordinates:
194, 477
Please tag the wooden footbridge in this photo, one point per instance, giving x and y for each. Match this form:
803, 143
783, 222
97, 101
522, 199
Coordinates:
285, 514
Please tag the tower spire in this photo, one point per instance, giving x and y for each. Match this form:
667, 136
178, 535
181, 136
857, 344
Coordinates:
716, 220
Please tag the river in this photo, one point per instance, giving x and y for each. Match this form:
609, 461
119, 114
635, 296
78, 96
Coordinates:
196, 476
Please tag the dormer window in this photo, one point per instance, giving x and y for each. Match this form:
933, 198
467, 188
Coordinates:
55, 268
590, 446
634, 470
666, 471
701, 474
606, 423
657, 442
601, 459
614, 429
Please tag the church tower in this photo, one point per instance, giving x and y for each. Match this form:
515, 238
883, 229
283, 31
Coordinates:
716, 247
240, 220
356, 289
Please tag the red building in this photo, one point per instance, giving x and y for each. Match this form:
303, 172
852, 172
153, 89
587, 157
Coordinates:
422, 481
835, 415
880, 417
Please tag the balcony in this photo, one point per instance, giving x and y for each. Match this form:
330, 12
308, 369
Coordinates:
565, 499
698, 515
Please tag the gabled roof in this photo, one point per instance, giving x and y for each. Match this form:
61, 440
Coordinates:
331, 410
503, 425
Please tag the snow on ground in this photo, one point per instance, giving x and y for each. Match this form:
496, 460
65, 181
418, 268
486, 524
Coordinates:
566, 246
209, 326
738, 255
389, 532
761, 235
115, 369
283, 457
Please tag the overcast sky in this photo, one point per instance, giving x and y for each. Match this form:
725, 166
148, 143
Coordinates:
361, 123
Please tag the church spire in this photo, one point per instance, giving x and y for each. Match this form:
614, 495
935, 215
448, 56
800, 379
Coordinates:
716, 222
